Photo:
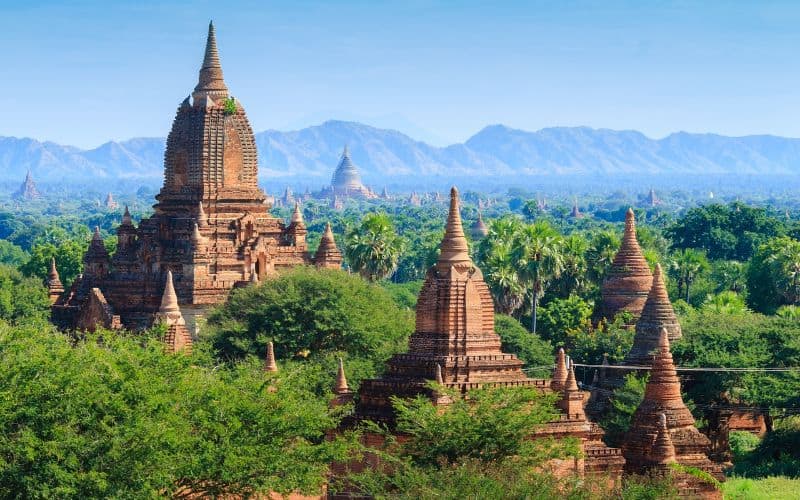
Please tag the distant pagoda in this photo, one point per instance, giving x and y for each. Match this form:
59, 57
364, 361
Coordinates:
346, 181
110, 203
211, 230
629, 280
27, 191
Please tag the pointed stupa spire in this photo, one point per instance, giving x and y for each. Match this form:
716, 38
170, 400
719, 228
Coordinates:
439, 378
126, 217
269, 364
341, 381
664, 385
663, 451
169, 312
96, 235
211, 81
657, 315
169, 300
454, 248
629, 279
53, 274
297, 214
571, 384
197, 237
328, 254
560, 372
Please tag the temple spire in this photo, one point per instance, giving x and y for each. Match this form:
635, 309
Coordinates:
269, 364
297, 214
53, 274
454, 248
211, 80
169, 300
663, 451
560, 372
341, 380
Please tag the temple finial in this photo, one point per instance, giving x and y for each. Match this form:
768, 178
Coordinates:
439, 378
96, 236
53, 274
454, 248
341, 380
269, 364
297, 215
169, 300
211, 80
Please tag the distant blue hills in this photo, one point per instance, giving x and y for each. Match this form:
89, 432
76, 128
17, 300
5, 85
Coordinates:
310, 155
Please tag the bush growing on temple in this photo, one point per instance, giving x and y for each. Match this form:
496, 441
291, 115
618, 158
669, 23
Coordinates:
308, 312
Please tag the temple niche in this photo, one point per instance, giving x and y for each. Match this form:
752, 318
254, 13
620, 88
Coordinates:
211, 231
454, 344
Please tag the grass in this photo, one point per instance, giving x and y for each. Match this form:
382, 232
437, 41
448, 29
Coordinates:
768, 488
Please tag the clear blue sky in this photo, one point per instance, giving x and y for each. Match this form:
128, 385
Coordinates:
96, 70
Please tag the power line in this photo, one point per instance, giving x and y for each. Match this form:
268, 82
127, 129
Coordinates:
693, 369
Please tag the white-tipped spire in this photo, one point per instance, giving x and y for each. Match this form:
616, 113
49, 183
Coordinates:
269, 364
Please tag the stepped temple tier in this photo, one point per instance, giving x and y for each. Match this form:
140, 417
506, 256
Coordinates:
212, 229
346, 181
454, 343
629, 280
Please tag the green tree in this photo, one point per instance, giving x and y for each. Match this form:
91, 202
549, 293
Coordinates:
729, 275
784, 266
121, 418
373, 248
560, 319
310, 312
497, 260
573, 278
600, 254
539, 256
529, 347
68, 255
686, 266
22, 300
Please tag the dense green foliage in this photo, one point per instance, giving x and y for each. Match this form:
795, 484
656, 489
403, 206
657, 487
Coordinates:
310, 312
121, 418
529, 347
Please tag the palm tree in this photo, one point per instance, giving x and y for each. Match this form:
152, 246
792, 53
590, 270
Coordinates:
373, 248
730, 275
727, 302
686, 265
496, 258
538, 253
600, 254
785, 268
573, 276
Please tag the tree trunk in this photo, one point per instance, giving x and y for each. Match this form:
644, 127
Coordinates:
534, 307
687, 291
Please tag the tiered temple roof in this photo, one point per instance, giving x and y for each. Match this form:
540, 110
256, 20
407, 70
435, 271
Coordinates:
455, 344
212, 228
628, 282
641, 447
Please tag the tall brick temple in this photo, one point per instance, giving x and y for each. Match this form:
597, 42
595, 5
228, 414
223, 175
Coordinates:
211, 229
455, 344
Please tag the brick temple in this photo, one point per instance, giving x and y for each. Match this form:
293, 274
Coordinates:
663, 409
454, 344
628, 282
211, 231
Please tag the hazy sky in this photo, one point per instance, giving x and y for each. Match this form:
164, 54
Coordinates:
97, 70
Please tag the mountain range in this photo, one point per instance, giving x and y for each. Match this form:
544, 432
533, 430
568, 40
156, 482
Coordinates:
383, 155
